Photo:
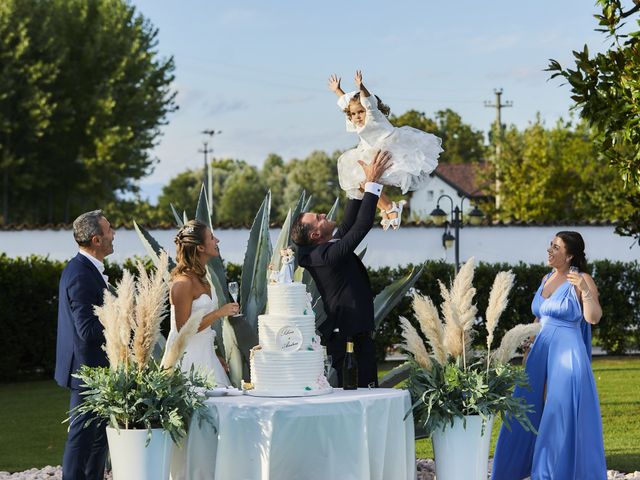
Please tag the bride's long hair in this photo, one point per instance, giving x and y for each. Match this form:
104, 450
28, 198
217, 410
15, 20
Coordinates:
187, 240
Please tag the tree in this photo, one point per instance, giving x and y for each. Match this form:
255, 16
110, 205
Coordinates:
274, 173
318, 175
606, 90
182, 192
243, 193
26, 75
122, 212
82, 96
555, 175
460, 141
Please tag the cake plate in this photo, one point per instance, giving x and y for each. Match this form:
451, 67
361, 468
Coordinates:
288, 393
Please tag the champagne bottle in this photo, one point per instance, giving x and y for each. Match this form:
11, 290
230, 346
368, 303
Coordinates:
350, 369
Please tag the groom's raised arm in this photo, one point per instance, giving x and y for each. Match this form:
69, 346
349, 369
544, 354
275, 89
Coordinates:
350, 215
337, 251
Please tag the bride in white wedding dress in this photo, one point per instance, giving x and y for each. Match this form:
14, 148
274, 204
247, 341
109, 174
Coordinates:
191, 295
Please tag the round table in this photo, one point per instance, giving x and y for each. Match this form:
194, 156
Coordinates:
357, 434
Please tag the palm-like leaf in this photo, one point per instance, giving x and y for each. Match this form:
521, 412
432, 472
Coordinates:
307, 204
253, 286
203, 210
299, 207
392, 294
215, 266
396, 375
151, 246
179, 221
282, 241
334, 210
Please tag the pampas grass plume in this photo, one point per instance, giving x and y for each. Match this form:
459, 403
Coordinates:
431, 325
453, 332
498, 299
108, 316
414, 344
462, 293
513, 339
150, 309
125, 305
174, 350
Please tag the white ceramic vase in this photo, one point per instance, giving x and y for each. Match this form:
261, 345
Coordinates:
130, 458
462, 452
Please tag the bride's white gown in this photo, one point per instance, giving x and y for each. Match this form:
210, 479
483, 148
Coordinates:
200, 351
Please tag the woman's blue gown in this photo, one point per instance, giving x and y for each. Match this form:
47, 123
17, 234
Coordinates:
569, 441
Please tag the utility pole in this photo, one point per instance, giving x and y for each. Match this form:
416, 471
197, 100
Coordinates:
208, 173
498, 105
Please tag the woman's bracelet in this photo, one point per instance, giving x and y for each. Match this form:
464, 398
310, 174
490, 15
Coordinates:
586, 295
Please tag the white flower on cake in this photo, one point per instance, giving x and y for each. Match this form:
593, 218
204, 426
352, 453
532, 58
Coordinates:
308, 309
315, 343
322, 382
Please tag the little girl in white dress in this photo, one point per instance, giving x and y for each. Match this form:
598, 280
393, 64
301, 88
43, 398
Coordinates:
414, 152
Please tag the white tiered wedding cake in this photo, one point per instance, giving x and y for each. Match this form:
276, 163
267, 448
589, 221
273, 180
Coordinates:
289, 360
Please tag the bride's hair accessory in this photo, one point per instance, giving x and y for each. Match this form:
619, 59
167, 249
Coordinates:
190, 233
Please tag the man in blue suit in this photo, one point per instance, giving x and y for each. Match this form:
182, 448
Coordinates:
80, 340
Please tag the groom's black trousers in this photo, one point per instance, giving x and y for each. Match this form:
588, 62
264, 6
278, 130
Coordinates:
364, 348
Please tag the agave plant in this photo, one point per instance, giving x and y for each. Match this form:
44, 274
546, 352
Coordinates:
239, 334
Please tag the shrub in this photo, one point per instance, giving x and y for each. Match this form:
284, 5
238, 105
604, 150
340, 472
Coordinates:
29, 305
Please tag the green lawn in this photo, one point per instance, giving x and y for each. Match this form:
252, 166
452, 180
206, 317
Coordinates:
32, 433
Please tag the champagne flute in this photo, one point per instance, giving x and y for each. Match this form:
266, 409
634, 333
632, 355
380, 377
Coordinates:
233, 291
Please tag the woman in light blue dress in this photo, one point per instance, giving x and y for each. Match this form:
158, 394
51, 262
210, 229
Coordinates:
566, 411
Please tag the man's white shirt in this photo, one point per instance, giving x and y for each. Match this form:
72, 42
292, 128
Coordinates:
96, 263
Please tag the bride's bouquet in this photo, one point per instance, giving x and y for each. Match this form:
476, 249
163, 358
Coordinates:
137, 391
450, 380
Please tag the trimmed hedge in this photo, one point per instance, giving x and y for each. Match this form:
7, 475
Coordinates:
29, 306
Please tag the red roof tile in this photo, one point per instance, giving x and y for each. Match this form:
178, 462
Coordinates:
464, 177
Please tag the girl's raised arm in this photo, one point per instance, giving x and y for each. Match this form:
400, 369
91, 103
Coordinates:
363, 90
334, 85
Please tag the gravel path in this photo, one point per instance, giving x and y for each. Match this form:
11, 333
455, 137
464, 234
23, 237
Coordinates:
426, 471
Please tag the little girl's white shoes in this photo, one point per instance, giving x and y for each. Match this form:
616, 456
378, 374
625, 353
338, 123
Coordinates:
394, 223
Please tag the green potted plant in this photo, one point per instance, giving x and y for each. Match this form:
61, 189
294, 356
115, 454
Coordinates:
457, 392
147, 404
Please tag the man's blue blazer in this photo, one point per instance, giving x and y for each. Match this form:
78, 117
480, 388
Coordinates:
80, 333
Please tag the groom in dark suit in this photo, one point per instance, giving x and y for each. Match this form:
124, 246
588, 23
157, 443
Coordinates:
80, 340
341, 277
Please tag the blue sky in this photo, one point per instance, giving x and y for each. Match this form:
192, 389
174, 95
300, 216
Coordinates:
257, 71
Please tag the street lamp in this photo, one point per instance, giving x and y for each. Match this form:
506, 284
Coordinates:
440, 217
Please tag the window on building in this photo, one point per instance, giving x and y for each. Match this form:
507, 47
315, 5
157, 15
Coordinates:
430, 195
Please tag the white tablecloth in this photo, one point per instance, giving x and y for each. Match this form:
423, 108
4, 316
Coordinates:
344, 435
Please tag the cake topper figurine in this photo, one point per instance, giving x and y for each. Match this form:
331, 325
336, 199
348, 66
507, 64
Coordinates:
286, 270
274, 275
285, 274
